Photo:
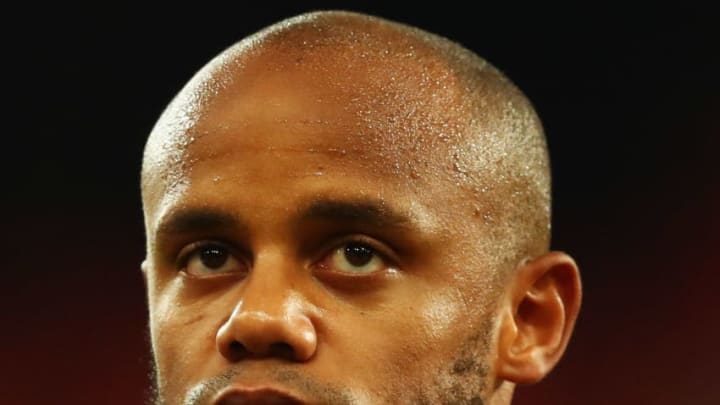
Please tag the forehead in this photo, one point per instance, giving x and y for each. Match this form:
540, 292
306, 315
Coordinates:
372, 99
395, 112
393, 115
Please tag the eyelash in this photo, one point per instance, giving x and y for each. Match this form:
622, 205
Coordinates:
187, 252
385, 253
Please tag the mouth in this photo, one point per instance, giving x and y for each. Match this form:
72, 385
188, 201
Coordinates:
255, 396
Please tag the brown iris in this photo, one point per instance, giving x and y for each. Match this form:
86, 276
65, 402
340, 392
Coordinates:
358, 255
213, 257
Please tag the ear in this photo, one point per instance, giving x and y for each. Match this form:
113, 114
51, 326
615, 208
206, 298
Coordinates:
538, 317
144, 268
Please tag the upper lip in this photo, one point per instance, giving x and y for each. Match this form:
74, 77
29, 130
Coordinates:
259, 396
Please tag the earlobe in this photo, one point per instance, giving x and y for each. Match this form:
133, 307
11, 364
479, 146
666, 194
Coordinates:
538, 317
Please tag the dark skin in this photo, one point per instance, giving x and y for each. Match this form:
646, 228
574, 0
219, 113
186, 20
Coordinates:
301, 249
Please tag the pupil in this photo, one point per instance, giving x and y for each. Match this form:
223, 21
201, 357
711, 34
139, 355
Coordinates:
358, 255
213, 256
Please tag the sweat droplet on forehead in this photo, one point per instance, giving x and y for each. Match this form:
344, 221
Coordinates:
387, 124
338, 109
393, 99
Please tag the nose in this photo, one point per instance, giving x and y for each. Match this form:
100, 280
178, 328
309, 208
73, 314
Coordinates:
268, 321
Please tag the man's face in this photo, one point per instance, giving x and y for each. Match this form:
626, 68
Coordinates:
307, 249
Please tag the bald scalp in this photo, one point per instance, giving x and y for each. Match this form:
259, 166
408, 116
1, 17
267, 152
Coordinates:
413, 92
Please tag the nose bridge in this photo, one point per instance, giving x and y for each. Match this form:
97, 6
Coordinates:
270, 292
270, 318
267, 291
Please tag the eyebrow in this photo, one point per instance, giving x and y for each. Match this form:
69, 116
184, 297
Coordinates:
197, 220
368, 212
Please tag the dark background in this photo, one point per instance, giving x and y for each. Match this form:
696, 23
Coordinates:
631, 104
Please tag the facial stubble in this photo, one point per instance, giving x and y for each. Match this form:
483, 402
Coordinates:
461, 381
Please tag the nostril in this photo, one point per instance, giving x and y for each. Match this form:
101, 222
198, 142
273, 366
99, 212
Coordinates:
237, 350
282, 349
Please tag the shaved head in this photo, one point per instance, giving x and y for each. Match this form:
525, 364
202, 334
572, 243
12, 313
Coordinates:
337, 197
427, 107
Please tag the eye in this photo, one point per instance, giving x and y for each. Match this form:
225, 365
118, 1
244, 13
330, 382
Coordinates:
356, 258
209, 259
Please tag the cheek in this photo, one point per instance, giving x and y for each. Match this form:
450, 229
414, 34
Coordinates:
441, 325
182, 341
413, 340
441, 313
164, 328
